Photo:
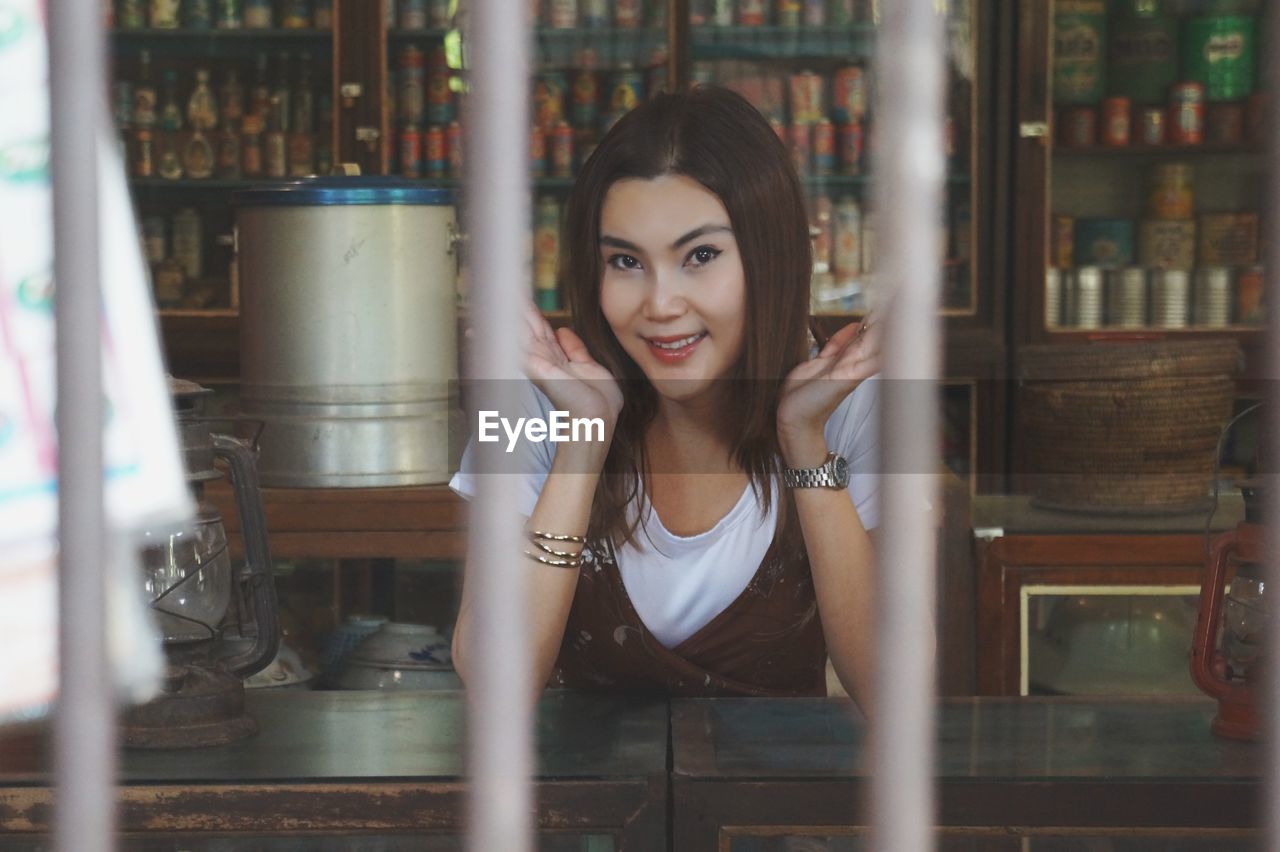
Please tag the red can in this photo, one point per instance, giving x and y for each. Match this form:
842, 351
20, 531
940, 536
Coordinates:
1080, 127
824, 147
562, 150
1224, 124
801, 147
453, 141
537, 152
1186, 114
437, 153
410, 151
1152, 127
851, 148
1115, 122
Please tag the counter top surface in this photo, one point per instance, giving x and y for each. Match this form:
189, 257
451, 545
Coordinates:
980, 739
1014, 514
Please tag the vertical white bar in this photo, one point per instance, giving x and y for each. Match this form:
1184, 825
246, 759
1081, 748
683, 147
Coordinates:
499, 751
909, 173
84, 748
1271, 417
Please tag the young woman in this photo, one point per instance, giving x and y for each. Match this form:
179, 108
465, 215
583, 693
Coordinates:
716, 541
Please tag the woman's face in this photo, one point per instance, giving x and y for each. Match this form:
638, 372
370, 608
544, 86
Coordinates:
673, 288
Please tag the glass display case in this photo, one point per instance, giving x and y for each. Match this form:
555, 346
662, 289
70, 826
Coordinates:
1140, 170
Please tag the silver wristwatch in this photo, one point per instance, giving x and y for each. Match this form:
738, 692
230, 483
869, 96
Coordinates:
834, 473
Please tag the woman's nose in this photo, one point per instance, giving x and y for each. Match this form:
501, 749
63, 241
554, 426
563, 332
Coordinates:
663, 298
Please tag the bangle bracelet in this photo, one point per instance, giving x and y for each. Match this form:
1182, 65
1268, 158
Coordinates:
563, 554
558, 563
546, 536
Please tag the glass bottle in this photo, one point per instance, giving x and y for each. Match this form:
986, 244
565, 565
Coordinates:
144, 94
251, 147
168, 162
260, 97
202, 107
280, 95
231, 99
275, 153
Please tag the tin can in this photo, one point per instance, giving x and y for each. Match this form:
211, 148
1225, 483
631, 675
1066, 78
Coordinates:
562, 14
1105, 243
257, 14
1142, 53
788, 13
1218, 52
752, 13
410, 151
846, 259
1062, 242
806, 97
1079, 39
411, 76
1152, 126
251, 153
188, 242
1164, 244
849, 95
628, 14
800, 142
1052, 297
851, 148
1228, 239
595, 13
1211, 302
230, 15
815, 13
824, 147
1127, 297
1224, 124
153, 240
438, 14
440, 108
275, 154
164, 15
198, 14
435, 146
1250, 286
1088, 298
537, 152
295, 14
548, 98
1115, 122
322, 15
453, 141
144, 160
1171, 193
546, 253
586, 99
627, 92
133, 15
1079, 127
413, 14
561, 150
1170, 294
1186, 114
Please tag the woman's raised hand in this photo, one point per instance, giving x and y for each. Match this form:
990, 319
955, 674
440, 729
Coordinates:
814, 389
557, 361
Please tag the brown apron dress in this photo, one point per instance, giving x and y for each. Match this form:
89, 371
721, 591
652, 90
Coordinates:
767, 642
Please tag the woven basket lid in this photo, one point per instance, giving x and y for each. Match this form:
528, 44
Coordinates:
1102, 360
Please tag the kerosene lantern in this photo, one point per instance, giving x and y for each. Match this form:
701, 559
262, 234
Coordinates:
219, 623
1230, 668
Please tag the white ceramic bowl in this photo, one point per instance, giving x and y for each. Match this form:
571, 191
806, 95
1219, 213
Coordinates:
400, 656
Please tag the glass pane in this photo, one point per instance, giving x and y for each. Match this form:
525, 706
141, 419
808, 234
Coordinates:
807, 67
1100, 642
210, 98
1156, 172
312, 843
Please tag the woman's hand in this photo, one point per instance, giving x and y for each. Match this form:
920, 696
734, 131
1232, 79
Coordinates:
815, 388
557, 361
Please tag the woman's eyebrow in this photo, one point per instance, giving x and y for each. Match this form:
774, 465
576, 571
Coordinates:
702, 230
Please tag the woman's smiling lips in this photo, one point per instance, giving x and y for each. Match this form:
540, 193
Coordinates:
674, 348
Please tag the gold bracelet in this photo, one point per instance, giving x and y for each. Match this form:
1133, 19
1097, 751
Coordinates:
563, 554
558, 563
546, 536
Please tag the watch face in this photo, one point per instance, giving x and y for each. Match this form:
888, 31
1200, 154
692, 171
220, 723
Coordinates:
840, 471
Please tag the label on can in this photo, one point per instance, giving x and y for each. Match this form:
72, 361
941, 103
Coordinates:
1142, 57
1115, 122
188, 243
1107, 243
1186, 114
851, 148
586, 99
1228, 239
562, 150
153, 239
824, 147
413, 14
1166, 244
849, 95
1171, 191
627, 92
806, 97
439, 98
411, 78
1079, 33
410, 151
1217, 51
546, 246
548, 99
751, 13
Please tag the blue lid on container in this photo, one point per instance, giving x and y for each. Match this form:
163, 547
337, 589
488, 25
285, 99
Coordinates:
344, 191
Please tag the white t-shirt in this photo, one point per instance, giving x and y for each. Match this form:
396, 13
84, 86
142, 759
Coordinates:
677, 584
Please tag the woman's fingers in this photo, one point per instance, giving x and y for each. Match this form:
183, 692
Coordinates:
842, 338
574, 349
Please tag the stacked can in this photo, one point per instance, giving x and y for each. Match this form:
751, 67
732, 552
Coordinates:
1213, 297
546, 253
1170, 289
1127, 297
1052, 297
1086, 298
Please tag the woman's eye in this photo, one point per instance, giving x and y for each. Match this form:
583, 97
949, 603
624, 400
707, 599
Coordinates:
703, 255
623, 261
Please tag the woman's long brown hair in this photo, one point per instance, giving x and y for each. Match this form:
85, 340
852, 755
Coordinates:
718, 139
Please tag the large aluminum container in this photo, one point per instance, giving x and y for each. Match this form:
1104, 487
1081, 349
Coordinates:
348, 351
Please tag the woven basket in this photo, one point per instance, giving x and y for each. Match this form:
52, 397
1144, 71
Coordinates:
1125, 427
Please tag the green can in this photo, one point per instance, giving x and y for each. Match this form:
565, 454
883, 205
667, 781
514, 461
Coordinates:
1218, 52
1142, 55
1079, 52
